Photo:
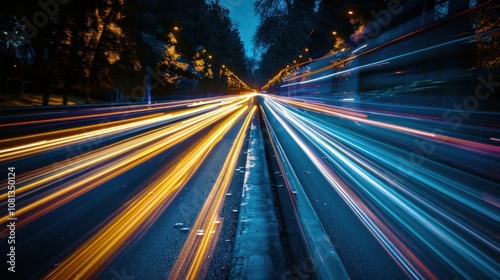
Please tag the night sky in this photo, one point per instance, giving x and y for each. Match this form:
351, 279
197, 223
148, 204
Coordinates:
242, 13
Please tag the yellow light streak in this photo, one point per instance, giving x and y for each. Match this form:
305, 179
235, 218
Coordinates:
66, 192
120, 111
103, 153
96, 131
69, 131
191, 262
87, 260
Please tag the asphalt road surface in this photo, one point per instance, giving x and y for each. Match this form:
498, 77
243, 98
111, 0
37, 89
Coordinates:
154, 191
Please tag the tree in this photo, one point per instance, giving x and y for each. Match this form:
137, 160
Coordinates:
486, 20
91, 47
283, 32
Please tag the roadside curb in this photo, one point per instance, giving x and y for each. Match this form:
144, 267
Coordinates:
257, 252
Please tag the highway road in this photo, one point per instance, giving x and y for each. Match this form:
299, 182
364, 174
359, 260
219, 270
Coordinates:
118, 192
398, 195
153, 191
377, 159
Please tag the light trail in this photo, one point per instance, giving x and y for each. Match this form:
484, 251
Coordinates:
96, 132
129, 153
363, 118
192, 260
360, 166
88, 113
353, 56
82, 162
71, 131
407, 261
137, 216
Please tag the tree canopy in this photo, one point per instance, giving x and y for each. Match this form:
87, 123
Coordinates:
293, 32
92, 47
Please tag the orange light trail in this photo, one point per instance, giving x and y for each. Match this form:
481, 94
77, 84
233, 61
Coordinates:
121, 111
102, 152
97, 131
191, 262
136, 150
137, 216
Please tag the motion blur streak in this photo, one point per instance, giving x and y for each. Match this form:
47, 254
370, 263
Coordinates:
120, 111
363, 118
126, 154
82, 162
96, 132
381, 62
70, 131
137, 216
369, 219
402, 208
192, 259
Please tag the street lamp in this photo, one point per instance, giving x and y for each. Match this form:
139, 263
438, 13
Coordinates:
350, 12
334, 32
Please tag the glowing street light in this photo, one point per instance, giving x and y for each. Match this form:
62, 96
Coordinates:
334, 32
350, 12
